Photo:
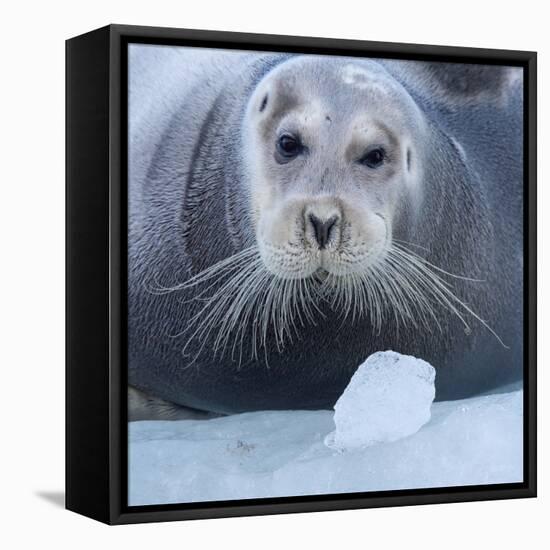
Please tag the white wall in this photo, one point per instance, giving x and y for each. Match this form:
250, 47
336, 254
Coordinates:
32, 270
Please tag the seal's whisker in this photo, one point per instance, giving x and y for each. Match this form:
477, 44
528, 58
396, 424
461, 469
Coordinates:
407, 243
204, 321
413, 293
375, 291
306, 300
241, 297
440, 290
240, 320
289, 308
410, 294
227, 264
400, 306
233, 316
249, 308
214, 279
414, 256
221, 295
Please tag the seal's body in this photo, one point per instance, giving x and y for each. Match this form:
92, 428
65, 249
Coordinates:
291, 215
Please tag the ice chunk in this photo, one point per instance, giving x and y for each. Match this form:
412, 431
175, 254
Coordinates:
388, 398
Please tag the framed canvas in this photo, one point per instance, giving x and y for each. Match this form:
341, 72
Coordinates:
301, 274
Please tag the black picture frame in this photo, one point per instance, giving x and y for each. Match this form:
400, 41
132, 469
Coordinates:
96, 160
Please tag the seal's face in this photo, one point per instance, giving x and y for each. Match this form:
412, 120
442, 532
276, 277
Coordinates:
331, 163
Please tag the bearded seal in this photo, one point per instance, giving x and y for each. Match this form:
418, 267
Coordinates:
289, 215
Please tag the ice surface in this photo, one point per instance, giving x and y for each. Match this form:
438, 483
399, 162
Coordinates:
267, 454
388, 398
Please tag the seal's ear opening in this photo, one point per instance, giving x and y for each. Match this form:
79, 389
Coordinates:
263, 104
273, 98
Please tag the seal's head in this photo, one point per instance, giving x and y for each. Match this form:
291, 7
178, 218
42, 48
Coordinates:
333, 160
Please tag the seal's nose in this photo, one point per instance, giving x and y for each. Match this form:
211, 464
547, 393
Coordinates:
322, 229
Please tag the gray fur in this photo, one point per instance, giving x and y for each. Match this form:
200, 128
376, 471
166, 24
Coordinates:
189, 208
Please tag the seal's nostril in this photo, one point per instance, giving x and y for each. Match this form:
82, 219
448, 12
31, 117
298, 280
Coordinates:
322, 229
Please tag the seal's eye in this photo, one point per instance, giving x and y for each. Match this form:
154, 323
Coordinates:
289, 146
374, 158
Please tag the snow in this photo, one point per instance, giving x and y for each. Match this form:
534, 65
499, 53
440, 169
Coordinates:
268, 454
388, 398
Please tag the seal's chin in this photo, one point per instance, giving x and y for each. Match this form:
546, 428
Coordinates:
321, 273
